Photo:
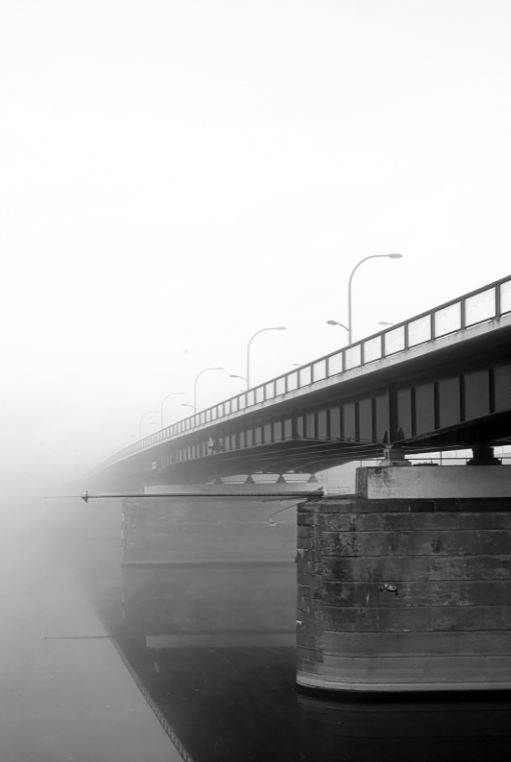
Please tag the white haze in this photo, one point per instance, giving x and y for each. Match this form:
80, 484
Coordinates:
176, 175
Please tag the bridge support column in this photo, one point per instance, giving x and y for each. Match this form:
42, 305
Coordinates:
483, 456
406, 585
210, 571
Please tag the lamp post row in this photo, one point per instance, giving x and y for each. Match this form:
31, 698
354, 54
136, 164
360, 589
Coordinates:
204, 370
348, 328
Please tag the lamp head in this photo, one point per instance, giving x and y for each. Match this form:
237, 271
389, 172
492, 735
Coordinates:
395, 256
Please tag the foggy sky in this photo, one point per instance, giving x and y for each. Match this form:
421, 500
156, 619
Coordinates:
177, 175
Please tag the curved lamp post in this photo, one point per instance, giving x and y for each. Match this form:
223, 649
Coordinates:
234, 375
334, 322
186, 404
149, 412
128, 436
279, 328
172, 394
195, 384
373, 256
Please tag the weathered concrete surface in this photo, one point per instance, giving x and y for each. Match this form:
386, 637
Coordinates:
163, 530
200, 573
404, 595
433, 482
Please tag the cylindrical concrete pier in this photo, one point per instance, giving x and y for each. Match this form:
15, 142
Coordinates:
404, 594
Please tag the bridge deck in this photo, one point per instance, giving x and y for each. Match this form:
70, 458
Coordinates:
423, 383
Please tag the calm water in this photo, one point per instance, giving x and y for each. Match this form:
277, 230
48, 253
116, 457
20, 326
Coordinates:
227, 698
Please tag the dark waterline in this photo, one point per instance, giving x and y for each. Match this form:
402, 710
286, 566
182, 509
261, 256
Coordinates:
231, 702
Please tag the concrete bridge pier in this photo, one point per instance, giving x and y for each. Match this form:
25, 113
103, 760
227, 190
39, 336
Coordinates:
212, 571
405, 586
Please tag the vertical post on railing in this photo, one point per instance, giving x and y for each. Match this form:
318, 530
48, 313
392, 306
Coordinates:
497, 300
463, 313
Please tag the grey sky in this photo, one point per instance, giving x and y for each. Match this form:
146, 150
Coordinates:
176, 175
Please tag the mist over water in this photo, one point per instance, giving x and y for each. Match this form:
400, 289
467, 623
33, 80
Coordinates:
225, 699
175, 177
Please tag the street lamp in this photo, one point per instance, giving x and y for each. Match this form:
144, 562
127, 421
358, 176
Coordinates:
384, 322
233, 375
149, 412
185, 404
373, 256
334, 322
126, 436
172, 394
280, 328
195, 384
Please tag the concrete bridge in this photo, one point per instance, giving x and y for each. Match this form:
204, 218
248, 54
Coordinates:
404, 586
438, 381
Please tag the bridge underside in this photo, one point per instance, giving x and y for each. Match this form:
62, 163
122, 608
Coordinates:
312, 455
455, 398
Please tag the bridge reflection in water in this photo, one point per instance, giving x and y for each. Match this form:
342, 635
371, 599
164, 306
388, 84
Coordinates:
406, 730
212, 647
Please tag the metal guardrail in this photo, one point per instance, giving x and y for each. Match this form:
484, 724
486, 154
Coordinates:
484, 304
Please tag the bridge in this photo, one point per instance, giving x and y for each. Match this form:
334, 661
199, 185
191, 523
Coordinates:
404, 586
438, 381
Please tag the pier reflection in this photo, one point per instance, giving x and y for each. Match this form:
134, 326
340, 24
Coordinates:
415, 731
212, 645
219, 665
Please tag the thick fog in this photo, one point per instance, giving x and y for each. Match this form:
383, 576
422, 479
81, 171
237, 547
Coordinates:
175, 176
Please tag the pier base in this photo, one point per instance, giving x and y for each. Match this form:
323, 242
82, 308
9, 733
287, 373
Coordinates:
406, 593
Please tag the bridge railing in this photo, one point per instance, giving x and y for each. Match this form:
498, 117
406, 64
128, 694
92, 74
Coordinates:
484, 304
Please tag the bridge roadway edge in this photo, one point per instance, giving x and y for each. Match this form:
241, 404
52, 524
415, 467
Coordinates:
400, 592
466, 374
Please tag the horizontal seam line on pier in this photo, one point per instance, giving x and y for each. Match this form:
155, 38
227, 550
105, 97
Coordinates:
427, 554
432, 530
407, 581
450, 553
411, 555
357, 633
406, 607
420, 656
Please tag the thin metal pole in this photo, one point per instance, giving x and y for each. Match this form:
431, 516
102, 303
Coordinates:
172, 394
277, 496
195, 385
373, 256
249, 345
141, 419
